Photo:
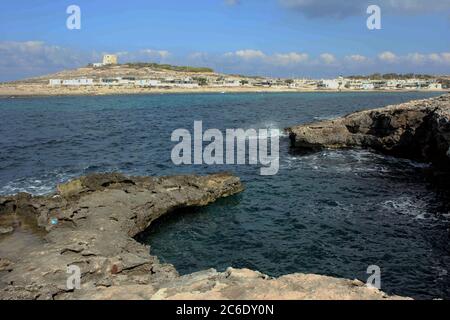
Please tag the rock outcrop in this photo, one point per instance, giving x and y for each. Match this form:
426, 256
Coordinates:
243, 284
90, 223
418, 130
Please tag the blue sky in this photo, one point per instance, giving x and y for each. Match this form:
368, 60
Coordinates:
289, 38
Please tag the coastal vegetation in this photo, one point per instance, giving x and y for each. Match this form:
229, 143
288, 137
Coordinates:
169, 67
202, 81
157, 66
392, 76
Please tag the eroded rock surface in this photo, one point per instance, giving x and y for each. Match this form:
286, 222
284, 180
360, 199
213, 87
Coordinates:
244, 284
91, 222
418, 130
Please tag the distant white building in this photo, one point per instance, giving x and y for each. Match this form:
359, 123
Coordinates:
232, 83
55, 82
78, 82
333, 84
109, 81
126, 80
304, 84
354, 84
435, 86
412, 84
367, 85
187, 85
148, 83
393, 84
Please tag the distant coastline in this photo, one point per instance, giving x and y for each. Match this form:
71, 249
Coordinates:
112, 78
30, 90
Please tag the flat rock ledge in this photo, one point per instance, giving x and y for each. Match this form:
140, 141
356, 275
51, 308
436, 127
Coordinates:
90, 222
418, 130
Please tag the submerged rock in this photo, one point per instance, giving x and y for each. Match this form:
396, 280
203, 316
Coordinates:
6, 230
418, 130
90, 224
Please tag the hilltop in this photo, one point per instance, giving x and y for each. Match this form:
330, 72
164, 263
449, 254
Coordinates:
137, 70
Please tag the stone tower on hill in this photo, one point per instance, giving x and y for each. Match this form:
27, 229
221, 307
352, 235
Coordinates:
109, 59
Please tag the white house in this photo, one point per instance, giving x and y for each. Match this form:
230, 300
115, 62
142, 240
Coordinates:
354, 84
435, 86
109, 81
147, 83
55, 82
393, 84
368, 85
333, 84
78, 82
126, 80
232, 83
187, 85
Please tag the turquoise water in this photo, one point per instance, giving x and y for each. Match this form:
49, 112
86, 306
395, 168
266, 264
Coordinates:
331, 212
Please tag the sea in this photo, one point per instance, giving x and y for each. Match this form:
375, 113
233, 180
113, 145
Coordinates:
332, 212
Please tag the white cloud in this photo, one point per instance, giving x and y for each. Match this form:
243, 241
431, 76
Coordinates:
161, 53
281, 59
32, 58
434, 57
247, 54
20, 60
446, 57
357, 58
439, 58
416, 58
143, 55
198, 55
37, 54
328, 58
387, 56
289, 58
256, 61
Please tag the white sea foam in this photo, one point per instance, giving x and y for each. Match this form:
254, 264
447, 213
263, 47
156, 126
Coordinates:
36, 186
408, 206
270, 132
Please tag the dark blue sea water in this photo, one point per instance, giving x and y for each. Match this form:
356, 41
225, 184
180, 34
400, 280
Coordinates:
332, 213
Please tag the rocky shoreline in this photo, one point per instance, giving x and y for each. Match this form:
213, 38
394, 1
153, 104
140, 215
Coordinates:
90, 223
417, 130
